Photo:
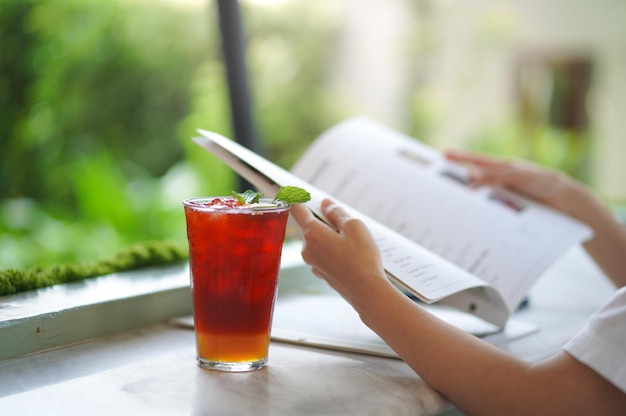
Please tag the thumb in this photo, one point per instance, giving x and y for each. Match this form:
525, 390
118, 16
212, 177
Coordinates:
301, 214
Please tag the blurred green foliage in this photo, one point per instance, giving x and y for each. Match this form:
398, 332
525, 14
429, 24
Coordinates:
99, 78
146, 254
99, 100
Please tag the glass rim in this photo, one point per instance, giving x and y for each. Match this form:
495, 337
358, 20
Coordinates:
190, 203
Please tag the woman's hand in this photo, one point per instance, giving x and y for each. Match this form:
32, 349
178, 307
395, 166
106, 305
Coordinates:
550, 187
559, 191
343, 252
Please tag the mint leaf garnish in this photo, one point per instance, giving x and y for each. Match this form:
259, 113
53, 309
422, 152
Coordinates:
287, 195
290, 195
247, 197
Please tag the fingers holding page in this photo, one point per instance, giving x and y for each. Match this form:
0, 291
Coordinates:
301, 214
335, 215
485, 169
523, 177
317, 238
346, 225
342, 252
472, 158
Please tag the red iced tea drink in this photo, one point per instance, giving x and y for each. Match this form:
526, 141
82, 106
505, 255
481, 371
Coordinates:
234, 256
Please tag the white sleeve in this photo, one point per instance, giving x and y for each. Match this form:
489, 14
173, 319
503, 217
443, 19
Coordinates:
601, 344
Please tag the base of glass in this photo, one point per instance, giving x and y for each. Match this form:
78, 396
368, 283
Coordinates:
234, 367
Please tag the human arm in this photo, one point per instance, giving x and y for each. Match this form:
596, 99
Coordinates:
475, 376
563, 193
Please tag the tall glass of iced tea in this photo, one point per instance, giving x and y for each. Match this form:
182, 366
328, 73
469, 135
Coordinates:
234, 257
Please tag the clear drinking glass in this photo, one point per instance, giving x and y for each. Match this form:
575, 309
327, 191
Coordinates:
234, 257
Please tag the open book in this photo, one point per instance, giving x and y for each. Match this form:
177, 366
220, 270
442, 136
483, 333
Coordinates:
478, 249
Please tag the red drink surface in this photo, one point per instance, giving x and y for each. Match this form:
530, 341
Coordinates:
234, 256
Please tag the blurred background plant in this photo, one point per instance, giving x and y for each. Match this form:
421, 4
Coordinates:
99, 100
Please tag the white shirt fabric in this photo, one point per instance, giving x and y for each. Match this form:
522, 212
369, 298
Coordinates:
601, 344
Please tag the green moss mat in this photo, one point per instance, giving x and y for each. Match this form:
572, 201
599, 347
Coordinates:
153, 253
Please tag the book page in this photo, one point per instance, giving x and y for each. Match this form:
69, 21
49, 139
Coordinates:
500, 237
415, 269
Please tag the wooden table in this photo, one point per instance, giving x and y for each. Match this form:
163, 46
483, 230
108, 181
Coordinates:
151, 369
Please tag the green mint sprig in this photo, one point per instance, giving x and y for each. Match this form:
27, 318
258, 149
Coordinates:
247, 197
290, 195
287, 195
